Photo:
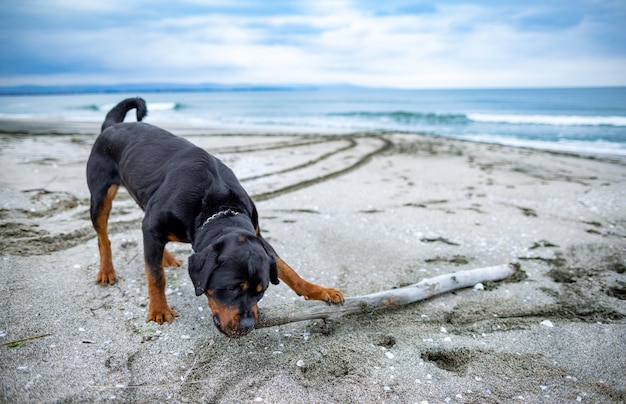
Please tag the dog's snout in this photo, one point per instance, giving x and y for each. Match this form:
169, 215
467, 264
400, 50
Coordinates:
247, 322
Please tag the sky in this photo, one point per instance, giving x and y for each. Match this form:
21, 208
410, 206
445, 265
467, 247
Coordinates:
390, 43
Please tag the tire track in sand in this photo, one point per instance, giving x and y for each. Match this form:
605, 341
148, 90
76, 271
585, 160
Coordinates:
326, 167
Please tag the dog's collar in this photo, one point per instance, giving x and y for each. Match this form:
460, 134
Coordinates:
221, 213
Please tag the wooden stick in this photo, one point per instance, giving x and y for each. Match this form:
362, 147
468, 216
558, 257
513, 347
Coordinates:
425, 289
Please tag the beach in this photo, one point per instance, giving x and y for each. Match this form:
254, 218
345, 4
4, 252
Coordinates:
361, 212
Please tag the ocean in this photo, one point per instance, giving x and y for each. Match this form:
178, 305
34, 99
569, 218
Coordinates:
580, 120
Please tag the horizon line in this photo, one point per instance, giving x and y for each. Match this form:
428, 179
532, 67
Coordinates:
66, 89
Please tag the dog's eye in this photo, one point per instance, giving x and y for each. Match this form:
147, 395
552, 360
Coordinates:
229, 292
259, 290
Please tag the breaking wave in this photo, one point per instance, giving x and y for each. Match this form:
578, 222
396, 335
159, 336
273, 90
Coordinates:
405, 117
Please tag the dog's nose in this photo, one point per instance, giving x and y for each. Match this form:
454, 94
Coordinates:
247, 322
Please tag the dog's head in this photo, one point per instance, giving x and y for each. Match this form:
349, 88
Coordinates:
233, 273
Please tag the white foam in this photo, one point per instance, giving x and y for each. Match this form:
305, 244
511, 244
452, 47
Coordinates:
162, 106
561, 120
572, 146
152, 106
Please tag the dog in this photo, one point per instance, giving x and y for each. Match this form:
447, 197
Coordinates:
187, 196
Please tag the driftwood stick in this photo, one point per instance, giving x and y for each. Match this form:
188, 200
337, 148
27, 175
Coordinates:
425, 289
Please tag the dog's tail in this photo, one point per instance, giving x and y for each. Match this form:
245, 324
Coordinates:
117, 114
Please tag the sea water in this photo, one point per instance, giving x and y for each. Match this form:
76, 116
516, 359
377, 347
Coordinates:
584, 120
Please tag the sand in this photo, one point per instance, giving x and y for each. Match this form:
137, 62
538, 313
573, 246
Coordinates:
362, 213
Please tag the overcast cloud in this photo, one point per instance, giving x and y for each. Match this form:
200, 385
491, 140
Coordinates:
405, 44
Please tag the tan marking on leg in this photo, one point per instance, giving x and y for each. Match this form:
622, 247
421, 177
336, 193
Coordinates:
158, 309
309, 290
106, 274
169, 260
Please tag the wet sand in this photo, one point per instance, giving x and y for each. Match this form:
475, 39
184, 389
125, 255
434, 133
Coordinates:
362, 213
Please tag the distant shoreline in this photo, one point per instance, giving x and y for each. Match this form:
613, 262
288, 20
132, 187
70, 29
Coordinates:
25, 90
579, 121
59, 127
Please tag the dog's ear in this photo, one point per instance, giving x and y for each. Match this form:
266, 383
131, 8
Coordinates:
272, 255
201, 266
273, 272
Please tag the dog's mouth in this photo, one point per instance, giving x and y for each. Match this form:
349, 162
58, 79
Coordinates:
232, 332
230, 320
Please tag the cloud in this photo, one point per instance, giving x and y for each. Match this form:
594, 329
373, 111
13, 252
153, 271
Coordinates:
394, 43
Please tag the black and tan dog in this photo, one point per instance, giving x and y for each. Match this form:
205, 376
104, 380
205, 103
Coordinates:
188, 196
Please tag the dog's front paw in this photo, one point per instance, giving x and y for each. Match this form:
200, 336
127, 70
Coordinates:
106, 276
328, 295
159, 316
334, 296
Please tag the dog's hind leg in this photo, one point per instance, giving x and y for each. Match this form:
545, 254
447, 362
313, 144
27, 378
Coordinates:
169, 260
101, 204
